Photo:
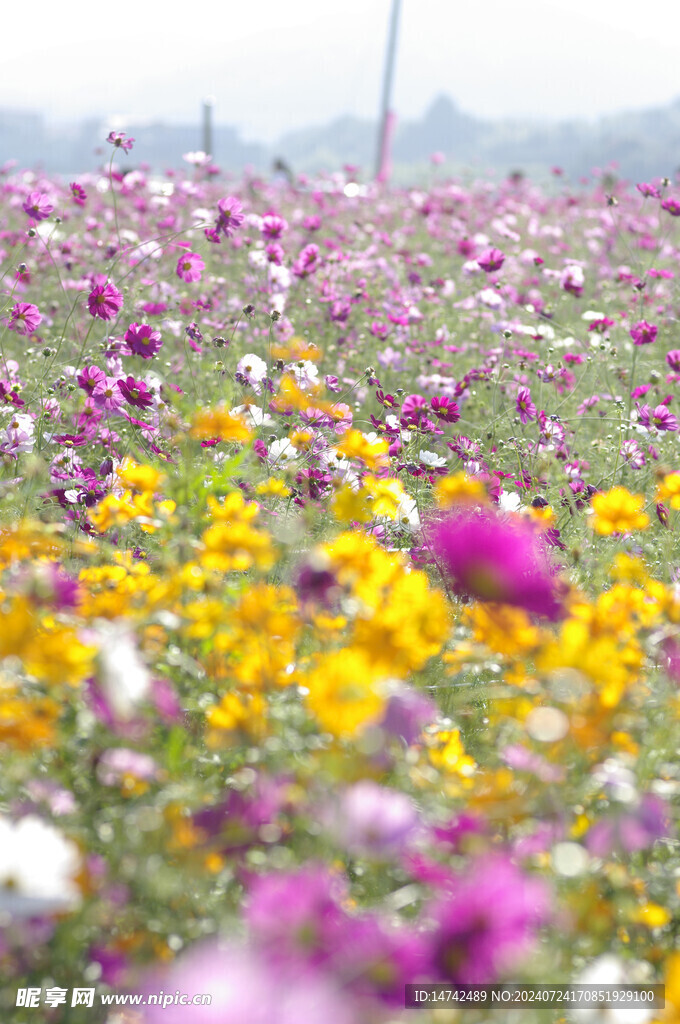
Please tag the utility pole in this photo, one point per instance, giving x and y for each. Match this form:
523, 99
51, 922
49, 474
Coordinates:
208, 104
386, 116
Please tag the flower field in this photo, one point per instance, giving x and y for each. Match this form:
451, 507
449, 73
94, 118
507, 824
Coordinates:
340, 583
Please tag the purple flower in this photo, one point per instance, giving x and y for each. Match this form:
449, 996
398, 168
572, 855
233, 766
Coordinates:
24, 318
492, 558
524, 406
643, 333
190, 266
659, 417
631, 829
78, 193
230, 216
671, 206
118, 140
273, 226
143, 340
107, 395
38, 206
105, 301
307, 262
673, 359
487, 922
490, 260
407, 712
135, 392
647, 190
372, 820
445, 409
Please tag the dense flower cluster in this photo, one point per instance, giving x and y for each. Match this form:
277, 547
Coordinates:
339, 588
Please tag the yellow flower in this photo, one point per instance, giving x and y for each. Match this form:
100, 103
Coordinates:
668, 490
459, 489
235, 547
386, 495
244, 712
618, 511
219, 422
373, 454
349, 505
344, 692
502, 628
449, 754
651, 915
139, 478
274, 487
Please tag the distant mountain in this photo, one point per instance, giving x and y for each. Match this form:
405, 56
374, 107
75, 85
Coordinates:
644, 144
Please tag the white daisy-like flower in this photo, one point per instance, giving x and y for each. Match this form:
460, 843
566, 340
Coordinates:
431, 459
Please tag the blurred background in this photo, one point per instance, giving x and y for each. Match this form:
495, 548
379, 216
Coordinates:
493, 88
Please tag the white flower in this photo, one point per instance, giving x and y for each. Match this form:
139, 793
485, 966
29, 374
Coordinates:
509, 502
407, 515
253, 369
282, 451
305, 372
37, 868
123, 675
431, 459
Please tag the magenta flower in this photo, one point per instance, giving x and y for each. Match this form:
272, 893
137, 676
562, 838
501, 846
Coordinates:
491, 259
643, 333
273, 226
525, 407
307, 262
105, 301
445, 409
78, 193
673, 359
38, 206
374, 821
108, 395
135, 392
143, 340
24, 318
646, 189
487, 922
671, 206
190, 266
118, 140
631, 829
492, 558
90, 378
660, 417
230, 216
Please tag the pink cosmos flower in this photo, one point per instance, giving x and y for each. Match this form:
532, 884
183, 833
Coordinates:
445, 409
135, 392
572, 280
38, 206
525, 407
487, 920
230, 216
493, 558
118, 140
90, 378
673, 359
78, 193
105, 301
190, 266
490, 260
24, 318
643, 333
671, 206
274, 253
646, 189
143, 340
273, 226
660, 417
108, 395
307, 262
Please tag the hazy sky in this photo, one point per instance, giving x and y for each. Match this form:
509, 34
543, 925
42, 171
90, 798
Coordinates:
274, 65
